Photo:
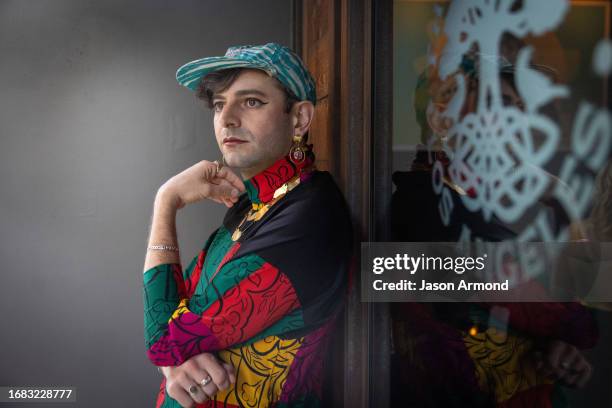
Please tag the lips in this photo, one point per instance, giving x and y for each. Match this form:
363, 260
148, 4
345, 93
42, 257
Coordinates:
233, 141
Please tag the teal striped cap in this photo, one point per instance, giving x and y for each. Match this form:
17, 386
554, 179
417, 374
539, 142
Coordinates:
276, 60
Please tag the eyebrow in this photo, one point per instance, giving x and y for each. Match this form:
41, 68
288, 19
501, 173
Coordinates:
243, 92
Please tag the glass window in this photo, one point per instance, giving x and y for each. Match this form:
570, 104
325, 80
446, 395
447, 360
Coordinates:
501, 132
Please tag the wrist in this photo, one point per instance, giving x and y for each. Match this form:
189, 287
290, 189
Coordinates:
166, 199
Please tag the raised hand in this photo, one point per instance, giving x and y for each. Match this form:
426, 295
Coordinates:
203, 180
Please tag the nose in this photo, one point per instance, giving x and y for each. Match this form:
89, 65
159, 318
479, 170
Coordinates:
229, 117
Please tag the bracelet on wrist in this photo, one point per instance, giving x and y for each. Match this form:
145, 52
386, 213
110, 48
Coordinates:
172, 248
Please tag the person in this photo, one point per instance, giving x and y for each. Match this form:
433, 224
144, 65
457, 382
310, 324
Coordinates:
493, 354
247, 322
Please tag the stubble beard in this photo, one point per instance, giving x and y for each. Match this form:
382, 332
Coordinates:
246, 158
243, 160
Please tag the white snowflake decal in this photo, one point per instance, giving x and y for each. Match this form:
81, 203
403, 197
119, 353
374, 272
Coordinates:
497, 153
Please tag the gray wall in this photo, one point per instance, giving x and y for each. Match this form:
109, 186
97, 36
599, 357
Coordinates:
92, 122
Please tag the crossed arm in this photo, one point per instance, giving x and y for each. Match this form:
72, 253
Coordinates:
176, 332
180, 340
238, 309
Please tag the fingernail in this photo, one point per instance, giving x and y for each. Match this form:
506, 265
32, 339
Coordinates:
234, 193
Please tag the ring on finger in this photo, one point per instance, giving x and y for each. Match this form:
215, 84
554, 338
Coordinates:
205, 381
565, 365
219, 166
193, 390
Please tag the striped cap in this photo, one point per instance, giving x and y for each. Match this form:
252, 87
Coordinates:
276, 60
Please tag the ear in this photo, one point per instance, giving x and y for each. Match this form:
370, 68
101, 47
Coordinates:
302, 113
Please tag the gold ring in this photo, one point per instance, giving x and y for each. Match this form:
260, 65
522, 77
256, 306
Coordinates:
219, 164
211, 173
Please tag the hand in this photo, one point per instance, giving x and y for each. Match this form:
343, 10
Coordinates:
202, 181
564, 362
179, 379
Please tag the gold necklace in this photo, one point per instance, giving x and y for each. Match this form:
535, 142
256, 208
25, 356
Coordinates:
258, 210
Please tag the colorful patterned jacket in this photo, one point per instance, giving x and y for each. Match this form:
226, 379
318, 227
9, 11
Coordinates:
265, 302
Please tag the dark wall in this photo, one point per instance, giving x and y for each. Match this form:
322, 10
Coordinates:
92, 122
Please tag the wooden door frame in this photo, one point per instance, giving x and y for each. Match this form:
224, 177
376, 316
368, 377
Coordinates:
362, 98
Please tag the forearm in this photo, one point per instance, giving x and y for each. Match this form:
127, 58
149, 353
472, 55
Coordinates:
163, 232
174, 333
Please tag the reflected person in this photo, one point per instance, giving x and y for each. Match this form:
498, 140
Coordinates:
485, 354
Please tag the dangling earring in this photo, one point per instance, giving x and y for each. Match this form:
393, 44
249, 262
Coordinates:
297, 153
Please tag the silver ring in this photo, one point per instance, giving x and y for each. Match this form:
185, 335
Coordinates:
565, 365
205, 381
193, 390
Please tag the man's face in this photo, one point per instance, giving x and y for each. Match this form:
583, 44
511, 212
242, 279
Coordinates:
509, 95
252, 127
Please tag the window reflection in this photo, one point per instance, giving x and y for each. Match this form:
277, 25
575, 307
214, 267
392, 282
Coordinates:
502, 133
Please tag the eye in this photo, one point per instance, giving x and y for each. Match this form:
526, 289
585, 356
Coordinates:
253, 102
217, 106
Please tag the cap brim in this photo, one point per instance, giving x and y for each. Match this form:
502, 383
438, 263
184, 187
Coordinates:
189, 75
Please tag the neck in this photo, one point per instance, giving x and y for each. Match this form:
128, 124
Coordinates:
250, 172
262, 185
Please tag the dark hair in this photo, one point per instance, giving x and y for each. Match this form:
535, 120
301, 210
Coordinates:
219, 81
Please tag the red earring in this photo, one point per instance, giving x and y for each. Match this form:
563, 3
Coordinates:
297, 153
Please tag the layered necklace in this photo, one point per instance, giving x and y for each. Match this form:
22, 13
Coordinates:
258, 210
